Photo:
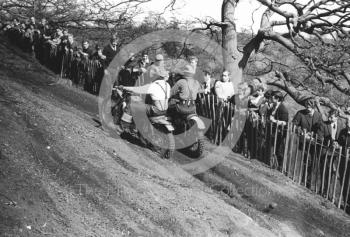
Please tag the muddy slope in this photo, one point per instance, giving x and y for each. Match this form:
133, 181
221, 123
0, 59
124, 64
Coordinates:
68, 177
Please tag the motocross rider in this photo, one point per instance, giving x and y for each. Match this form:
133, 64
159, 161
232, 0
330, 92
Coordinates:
184, 92
158, 90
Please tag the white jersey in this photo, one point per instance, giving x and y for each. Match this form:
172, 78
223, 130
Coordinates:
159, 90
224, 90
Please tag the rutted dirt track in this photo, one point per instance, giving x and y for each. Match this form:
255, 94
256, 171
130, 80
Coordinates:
68, 177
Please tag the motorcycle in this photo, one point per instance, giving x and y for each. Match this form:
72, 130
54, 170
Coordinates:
155, 134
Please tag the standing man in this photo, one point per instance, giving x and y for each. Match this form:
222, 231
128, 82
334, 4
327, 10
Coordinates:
159, 63
279, 114
224, 89
331, 131
87, 52
344, 141
308, 121
143, 64
332, 128
110, 50
129, 74
208, 83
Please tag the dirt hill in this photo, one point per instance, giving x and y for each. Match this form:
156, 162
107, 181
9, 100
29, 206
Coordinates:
62, 175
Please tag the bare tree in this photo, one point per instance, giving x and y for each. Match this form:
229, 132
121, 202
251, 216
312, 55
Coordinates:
316, 32
102, 13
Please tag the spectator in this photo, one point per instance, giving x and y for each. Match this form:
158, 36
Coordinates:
69, 45
86, 51
279, 113
129, 74
149, 75
44, 29
256, 99
56, 38
143, 64
32, 22
265, 106
344, 135
331, 128
344, 142
28, 40
279, 116
309, 119
65, 33
198, 75
264, 136
98, 55
193, 60
110, 50
208, 83
224, 89
16, 23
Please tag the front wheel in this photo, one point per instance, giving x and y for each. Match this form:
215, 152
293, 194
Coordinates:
169, 152
164, 145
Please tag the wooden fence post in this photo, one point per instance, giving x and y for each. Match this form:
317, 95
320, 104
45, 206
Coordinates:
330, 173
313, 164
318, 171
324, 169
286, 147
297, 156
273, 158
344, 177
290, 155
307, 162
336, 174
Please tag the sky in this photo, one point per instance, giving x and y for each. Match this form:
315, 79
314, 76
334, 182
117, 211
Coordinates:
191, 9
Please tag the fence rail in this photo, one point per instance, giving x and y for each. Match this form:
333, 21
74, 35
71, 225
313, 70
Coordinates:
308, 161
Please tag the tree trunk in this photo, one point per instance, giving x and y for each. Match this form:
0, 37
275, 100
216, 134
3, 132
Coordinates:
231, 56
234, 61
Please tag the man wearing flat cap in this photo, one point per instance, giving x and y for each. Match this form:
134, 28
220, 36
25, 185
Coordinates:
279, 116
308, 121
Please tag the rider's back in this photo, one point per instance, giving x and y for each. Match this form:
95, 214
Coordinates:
186, 89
